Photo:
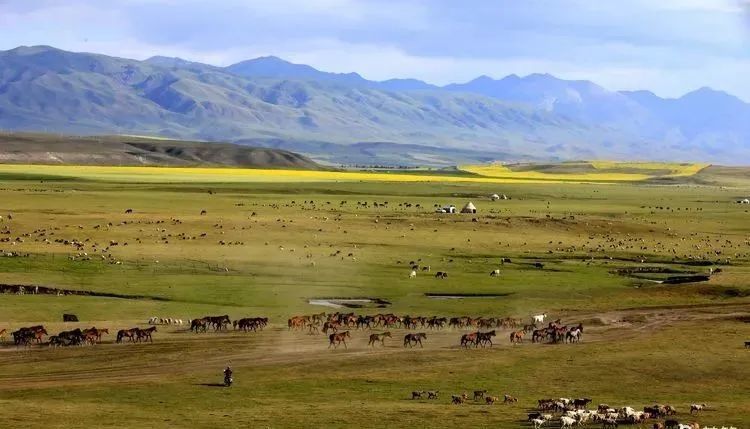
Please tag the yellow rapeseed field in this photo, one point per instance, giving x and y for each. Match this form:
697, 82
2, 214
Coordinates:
491, 174
608, 171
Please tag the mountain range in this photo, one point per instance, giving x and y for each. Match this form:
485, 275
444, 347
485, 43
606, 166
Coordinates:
345, 118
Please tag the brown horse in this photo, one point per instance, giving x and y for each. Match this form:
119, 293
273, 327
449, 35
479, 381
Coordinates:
338, 338
94, 335
2, 335
467, 339
199, 325
297, 322
130, 334
374, 338
509, 399
331, 326
517, 337
413, 339
218, 322
145, 334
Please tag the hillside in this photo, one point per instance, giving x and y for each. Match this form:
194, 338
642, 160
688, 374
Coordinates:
23, 148
338, 117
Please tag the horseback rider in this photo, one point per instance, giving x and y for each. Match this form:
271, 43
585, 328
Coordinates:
228, 375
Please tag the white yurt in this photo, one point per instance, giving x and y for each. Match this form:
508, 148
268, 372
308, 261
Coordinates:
469, 208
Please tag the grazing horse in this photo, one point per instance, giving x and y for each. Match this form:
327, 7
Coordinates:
374, 338
145, 334
414, 339
338, 338
130, 334
517, 337
417, 394
70, 318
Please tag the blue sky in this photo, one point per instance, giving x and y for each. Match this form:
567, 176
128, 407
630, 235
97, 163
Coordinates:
667, 46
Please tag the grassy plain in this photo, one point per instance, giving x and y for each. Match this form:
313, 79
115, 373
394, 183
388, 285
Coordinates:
644, 342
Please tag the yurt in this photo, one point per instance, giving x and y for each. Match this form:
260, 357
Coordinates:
469, 208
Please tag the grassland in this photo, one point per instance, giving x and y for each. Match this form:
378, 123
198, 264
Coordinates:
644, 342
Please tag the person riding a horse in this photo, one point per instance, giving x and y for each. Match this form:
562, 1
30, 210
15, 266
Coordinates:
228, 372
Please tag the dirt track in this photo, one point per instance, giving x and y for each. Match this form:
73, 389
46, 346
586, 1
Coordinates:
178, 352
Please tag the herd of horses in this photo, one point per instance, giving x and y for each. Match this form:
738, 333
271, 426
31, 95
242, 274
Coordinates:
555, 332
28, 336
337, 327
221, 323
333, 322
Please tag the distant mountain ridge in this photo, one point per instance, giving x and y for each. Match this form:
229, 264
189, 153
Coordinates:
271, 101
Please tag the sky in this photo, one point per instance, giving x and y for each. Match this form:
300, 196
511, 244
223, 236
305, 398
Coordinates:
667, 46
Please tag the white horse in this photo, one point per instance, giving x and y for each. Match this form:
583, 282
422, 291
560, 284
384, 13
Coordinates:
413, 274
538, 423
539, 318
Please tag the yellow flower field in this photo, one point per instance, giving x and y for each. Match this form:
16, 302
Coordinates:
492, 174
604, 171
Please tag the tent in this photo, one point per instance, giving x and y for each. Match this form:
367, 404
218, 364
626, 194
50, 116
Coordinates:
469, 208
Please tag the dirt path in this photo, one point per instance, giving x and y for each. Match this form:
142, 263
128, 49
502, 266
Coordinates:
177, 352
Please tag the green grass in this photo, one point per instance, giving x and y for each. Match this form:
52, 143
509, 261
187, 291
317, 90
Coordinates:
645, 342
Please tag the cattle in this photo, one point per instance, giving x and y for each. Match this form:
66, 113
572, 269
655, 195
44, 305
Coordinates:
70, 318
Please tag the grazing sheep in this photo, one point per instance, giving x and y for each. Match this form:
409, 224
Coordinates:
567, 422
